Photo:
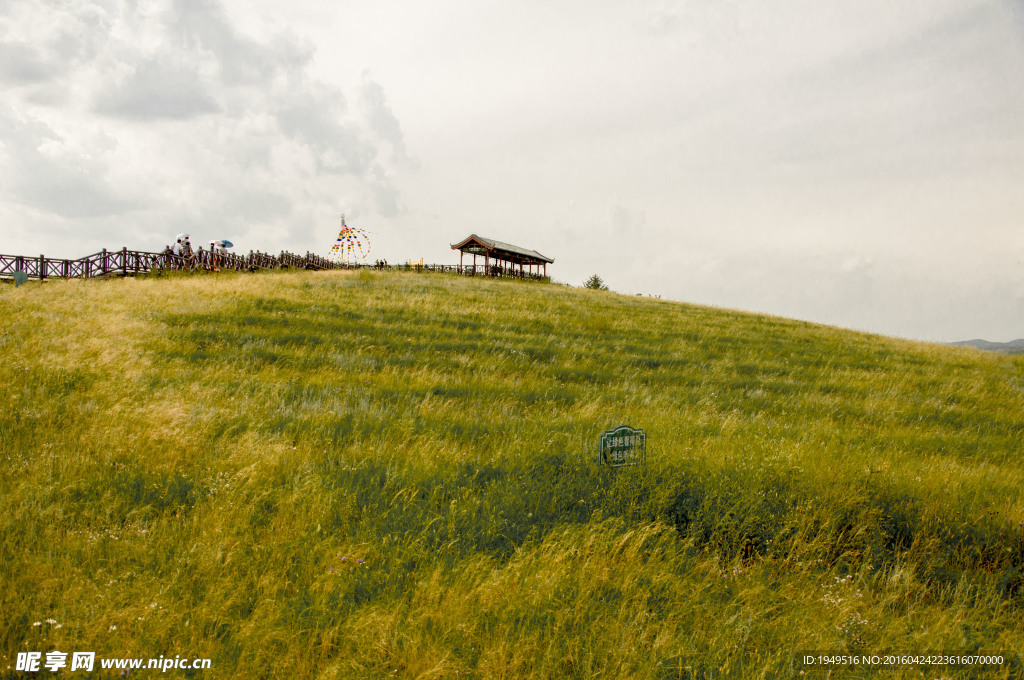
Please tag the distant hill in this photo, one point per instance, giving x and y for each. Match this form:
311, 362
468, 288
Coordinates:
1012, 347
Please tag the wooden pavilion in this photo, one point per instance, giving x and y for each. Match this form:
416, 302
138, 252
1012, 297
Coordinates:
502, 259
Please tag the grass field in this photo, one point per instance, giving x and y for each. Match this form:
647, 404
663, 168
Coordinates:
339, 475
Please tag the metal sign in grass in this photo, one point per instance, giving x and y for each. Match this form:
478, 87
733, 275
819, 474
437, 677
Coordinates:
622, 446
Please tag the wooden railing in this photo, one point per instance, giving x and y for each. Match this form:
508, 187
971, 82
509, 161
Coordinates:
126, 262
470, 270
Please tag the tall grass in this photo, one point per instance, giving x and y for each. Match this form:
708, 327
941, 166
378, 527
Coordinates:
370, 475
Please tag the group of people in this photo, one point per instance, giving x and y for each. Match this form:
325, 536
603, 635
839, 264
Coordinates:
380, 264
183, 247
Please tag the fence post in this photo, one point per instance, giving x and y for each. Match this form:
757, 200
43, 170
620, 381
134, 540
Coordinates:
42, 267
124, 261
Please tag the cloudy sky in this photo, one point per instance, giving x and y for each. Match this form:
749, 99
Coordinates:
857, 163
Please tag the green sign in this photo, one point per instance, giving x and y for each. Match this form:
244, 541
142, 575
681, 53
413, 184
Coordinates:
622, 446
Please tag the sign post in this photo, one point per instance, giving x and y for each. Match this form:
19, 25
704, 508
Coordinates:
622, 446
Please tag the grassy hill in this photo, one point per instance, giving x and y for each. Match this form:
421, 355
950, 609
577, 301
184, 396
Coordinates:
335, 475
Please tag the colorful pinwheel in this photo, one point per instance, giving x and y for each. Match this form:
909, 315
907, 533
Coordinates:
352, 243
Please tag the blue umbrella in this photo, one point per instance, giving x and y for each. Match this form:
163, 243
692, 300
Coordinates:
227, 244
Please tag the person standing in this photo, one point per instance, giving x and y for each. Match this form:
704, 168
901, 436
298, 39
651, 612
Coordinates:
176, 250
187, 253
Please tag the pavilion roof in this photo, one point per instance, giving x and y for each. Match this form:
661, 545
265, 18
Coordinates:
480, 244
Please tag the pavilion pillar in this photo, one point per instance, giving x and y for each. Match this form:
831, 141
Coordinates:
461, 253
487, 263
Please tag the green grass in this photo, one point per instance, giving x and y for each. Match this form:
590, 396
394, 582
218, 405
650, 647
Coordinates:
339, 475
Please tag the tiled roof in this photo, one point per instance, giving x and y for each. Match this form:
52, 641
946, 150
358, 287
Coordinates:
501, 246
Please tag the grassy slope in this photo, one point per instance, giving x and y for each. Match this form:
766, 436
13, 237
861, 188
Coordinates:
203, 462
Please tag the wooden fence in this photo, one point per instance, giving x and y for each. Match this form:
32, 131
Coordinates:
463, 270
124, 262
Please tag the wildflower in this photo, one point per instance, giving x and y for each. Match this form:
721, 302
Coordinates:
112, 629
50, 621
37, 623
59, 625
360, 560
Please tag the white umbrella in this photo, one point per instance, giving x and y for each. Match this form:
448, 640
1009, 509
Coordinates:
181, 237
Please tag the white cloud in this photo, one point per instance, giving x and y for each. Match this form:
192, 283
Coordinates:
157, 88
23, 64
141, 119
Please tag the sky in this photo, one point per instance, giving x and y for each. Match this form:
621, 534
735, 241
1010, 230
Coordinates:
854, 163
